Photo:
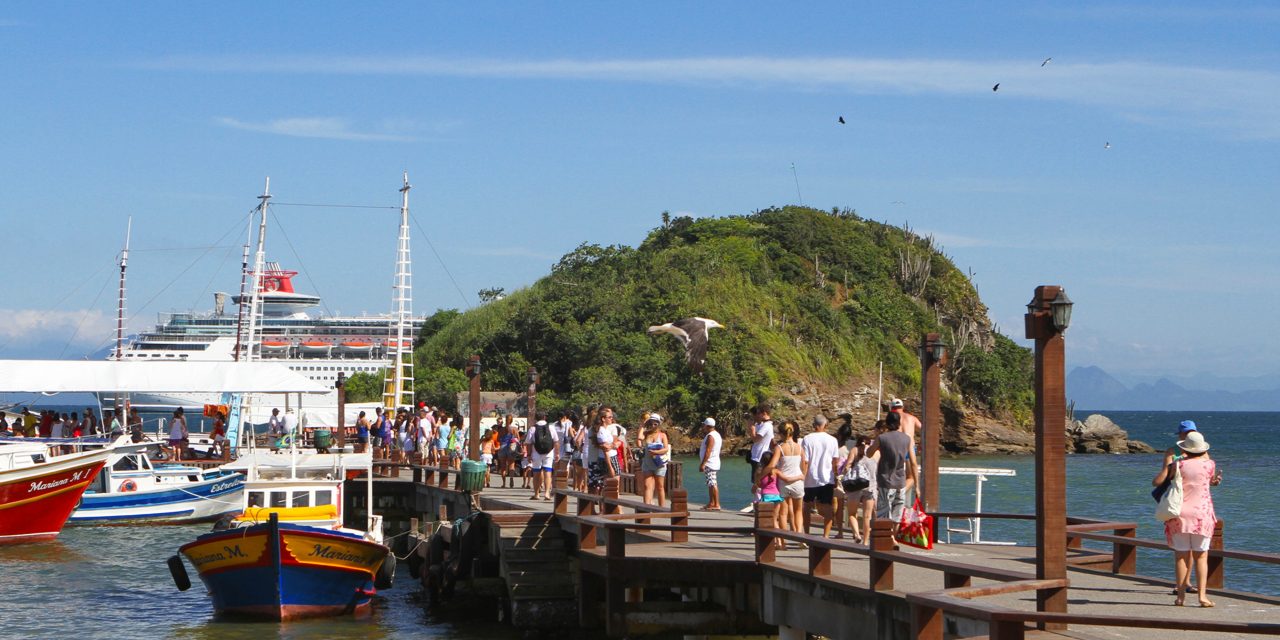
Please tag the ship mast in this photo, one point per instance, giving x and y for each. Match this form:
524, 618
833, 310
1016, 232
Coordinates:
124, 263
241, 341
398, 384
259, 258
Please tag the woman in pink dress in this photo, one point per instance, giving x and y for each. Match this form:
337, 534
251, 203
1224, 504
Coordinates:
1189, 533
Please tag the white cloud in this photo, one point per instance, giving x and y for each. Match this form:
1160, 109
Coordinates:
1243, 102
316, 127
40, 324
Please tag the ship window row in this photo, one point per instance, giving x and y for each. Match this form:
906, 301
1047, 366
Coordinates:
291, 498
181, 356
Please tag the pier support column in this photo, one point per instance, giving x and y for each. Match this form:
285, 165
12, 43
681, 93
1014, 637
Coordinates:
1047, 318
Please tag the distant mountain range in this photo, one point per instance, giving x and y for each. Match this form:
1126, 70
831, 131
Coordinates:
1093, 388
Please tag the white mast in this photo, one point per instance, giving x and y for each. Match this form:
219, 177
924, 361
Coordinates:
398, 384
242, 341
259, 258
124, 263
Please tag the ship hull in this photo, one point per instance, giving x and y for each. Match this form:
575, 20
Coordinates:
195, 502
36, 501
283, 571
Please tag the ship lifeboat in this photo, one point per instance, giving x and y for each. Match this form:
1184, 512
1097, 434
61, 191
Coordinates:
274, 347
356, 347
315, 347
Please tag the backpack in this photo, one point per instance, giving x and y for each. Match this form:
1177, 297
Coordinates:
543, 443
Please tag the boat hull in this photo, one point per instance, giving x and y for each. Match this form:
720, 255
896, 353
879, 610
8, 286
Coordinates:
194, 502
36, 501
283, 571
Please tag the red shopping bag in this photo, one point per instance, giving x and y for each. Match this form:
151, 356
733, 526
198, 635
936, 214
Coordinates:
915, 529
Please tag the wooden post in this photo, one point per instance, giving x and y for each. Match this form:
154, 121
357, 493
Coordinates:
680, 503
926, 622
764, 541
417, 475
819, 560
1216, 574
881, 568
341, 386
931, 414
473, 398
586, 533
611, 493
1051, 480
1124, 557
615, 542
1007, 630
561, 483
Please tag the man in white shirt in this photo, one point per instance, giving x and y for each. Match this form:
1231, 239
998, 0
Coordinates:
709, 456
541, 463
820, 456
761, 437
290, 423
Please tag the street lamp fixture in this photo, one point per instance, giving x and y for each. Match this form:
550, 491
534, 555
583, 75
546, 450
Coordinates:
473, 366
342, 380
1061, 307
937, 350
534, 378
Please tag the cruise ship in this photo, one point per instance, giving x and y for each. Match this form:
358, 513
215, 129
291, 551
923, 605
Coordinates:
289, 331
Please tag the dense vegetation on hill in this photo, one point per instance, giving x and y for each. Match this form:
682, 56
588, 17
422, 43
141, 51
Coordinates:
806, 296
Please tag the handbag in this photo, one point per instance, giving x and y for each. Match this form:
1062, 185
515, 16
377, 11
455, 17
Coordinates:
1170, 506
854, 480
915, 529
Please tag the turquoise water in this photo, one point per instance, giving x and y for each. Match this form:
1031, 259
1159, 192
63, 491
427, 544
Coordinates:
1245, 446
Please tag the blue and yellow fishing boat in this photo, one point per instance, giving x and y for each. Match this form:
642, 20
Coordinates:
287, 555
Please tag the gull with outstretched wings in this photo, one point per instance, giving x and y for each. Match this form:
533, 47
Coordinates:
692, 333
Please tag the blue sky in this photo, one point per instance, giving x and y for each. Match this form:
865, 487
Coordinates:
529, 128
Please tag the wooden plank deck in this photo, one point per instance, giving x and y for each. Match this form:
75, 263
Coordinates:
1091, 592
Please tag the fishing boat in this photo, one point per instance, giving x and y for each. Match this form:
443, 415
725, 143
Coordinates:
39, 490
133, 489
287, 555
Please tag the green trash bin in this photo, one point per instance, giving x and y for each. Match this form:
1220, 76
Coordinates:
323, 438
472, 475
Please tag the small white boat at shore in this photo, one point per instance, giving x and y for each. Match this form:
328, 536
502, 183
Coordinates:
134, 489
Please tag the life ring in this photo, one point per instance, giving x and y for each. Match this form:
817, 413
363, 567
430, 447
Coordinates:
127, 486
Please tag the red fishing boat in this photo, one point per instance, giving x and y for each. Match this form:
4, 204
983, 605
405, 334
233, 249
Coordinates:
38, 491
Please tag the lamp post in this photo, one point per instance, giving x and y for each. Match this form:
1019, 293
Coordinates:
932, 352
473, 399
534, 378
341, 386
1048, 316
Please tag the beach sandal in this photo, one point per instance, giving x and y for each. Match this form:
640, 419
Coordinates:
705, 508
1206, 604
713, 508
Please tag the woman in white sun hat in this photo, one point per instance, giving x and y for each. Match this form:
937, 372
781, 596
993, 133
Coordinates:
1190, 532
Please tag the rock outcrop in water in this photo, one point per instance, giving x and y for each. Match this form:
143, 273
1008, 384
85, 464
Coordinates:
1098, 434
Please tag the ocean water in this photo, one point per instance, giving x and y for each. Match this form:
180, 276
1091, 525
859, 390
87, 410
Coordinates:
111, 582
1245, 446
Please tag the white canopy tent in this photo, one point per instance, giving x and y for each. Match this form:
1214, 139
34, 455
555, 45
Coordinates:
77, 376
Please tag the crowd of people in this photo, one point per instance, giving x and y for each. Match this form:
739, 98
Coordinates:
846, 478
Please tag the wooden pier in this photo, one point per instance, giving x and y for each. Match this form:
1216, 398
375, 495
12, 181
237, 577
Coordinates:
611, 564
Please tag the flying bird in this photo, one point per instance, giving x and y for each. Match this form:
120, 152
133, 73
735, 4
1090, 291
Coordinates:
996, 88
841, 119
1106, 145
692, 333
1046, 61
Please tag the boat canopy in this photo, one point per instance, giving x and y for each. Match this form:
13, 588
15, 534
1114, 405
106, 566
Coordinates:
79, 376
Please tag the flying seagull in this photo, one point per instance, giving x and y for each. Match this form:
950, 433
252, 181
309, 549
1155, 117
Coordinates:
692, 333
1106, 146
841, 119
1046, 61
996, 88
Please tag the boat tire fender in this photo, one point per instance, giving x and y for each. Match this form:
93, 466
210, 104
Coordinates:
179, 573
386, 572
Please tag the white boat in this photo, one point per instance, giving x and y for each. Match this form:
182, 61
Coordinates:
133, 489
38, 489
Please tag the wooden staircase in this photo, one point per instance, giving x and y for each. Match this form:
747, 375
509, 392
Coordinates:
534, 562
